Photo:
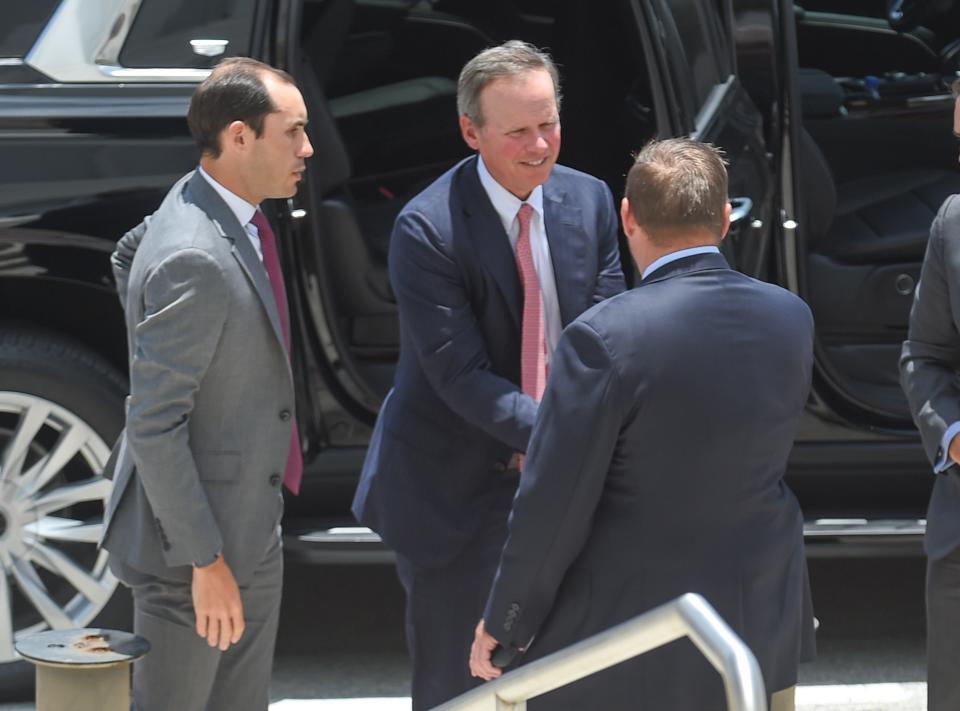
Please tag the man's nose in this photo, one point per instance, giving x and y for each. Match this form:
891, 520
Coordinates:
306, 150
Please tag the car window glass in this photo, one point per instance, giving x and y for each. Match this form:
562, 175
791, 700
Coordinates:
21, 25
700, 30
163, 29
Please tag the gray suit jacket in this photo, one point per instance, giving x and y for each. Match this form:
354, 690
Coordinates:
930, 369
656, 468
199, 467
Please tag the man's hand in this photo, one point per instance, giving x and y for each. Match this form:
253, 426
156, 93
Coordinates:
480, 652
217, 604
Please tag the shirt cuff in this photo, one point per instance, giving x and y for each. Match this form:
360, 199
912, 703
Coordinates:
943, 454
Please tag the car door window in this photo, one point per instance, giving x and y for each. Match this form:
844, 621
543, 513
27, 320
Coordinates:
700, 34
699, 60
21, 25
166, 33
710, 104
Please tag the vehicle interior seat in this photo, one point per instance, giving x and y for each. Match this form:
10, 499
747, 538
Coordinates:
879, 218
364, 302
391, 125
865, 241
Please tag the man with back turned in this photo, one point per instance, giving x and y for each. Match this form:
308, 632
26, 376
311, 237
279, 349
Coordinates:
656, 463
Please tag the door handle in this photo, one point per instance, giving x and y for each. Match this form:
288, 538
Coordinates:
297, 213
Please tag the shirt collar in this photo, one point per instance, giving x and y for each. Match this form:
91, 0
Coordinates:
238, 206
674, 256
504, 202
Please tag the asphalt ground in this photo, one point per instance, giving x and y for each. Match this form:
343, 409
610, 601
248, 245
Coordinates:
341, 644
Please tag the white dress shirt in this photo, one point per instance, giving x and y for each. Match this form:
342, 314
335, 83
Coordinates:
507, 205
944, 460
239, 207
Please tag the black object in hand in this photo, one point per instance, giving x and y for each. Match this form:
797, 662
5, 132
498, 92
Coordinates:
503, 657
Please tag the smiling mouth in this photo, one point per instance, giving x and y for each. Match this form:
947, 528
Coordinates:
535, 163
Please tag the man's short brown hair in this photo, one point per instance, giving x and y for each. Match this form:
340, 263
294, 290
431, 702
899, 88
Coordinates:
234, 91
676, 186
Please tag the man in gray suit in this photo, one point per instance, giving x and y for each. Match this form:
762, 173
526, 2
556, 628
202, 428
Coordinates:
193, 522
930, 375
656, 462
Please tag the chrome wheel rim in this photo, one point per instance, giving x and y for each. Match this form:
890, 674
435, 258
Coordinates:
52, 500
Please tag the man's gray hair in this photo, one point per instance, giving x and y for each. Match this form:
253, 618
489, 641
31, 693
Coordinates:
510, 59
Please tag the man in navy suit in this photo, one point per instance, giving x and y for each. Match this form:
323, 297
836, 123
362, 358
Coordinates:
488, 264
656, 464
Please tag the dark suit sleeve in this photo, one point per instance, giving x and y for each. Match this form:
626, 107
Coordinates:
570, 452
930, 359
610, 280
437, 317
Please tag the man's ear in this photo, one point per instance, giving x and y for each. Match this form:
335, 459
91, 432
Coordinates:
727, 210
234, 136
469, 132
626, 217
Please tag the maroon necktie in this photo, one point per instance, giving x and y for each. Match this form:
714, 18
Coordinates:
271, 262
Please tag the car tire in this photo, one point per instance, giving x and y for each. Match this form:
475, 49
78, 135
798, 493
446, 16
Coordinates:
61, 409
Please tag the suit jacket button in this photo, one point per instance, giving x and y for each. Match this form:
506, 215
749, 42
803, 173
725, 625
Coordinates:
939, 454
499, 467
275, 479
284, 415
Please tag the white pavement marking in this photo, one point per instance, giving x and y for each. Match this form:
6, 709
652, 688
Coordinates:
378, 704
910, 696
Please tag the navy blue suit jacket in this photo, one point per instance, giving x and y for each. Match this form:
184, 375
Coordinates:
456, 413
655, 469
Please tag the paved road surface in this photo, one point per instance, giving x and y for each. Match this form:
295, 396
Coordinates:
341, 640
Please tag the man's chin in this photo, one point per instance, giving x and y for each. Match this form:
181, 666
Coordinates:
537, 175
282, 194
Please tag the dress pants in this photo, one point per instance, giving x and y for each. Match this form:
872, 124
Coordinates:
943, 640
445, 603
182, 672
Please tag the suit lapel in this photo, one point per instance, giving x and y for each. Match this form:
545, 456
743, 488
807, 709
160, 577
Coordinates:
206, 198
564, 224
489, 240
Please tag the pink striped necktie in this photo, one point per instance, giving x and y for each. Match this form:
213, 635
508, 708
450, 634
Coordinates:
293, 473
533, 344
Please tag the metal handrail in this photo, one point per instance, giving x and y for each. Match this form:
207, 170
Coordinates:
689, 615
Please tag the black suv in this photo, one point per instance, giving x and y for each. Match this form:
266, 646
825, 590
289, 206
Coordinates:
836, 172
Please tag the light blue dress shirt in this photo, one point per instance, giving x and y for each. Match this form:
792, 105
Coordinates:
674, 256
